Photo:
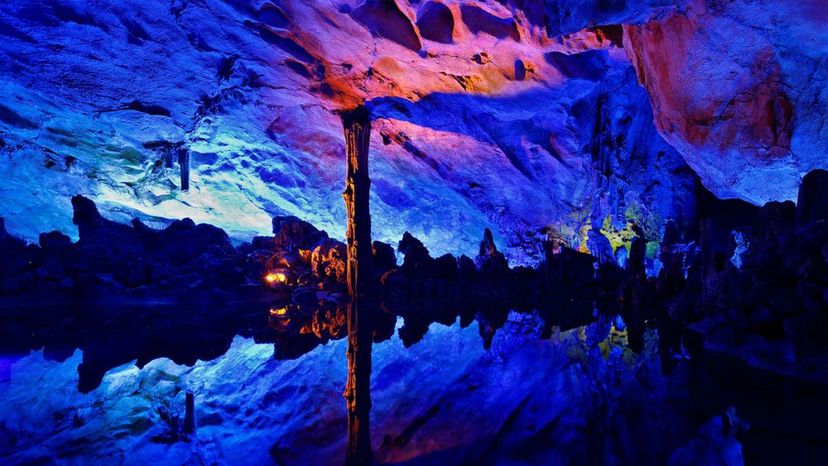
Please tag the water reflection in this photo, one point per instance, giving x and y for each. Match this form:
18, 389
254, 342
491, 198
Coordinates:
111, 334
362, 322
606, 401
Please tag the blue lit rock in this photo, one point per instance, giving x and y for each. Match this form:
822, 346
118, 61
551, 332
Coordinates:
739, 89
95, 97
253, 409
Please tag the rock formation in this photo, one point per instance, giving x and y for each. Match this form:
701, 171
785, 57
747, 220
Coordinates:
484, 119
356, 125
735, 87
357, 128
634, 161
490, 261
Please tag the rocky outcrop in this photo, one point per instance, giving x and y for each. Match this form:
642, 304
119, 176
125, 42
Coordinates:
811, 205
478, 20
329, 260
753, 284
416, 261
567, 16
383, 18
489, 260
292, 234
384, 257
436, 22
736, 88
114, 256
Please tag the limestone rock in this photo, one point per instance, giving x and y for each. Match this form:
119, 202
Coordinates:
384, 257
329, 260
292, 234
251, 94
746, 110
489, 260
812, 202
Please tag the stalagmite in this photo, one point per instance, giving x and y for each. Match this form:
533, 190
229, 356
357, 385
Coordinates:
357, 126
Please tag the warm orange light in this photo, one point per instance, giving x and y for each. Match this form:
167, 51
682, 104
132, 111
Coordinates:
275, 277
278, 312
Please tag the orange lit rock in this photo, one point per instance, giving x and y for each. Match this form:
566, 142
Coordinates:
725, 83
328, 261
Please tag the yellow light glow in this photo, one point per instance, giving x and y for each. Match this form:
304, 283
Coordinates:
278, 312
275, 277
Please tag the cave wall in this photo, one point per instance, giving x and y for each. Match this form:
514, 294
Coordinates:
739, 89
506, 115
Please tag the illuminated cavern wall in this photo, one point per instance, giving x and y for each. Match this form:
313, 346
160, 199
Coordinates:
486, 116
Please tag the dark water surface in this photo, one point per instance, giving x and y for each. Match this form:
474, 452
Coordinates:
105, 383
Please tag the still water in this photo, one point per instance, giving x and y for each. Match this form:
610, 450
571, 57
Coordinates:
107, 385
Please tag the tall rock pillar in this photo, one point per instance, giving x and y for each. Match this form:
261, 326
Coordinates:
357, 126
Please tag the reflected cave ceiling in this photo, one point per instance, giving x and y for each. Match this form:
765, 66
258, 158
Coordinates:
515, 115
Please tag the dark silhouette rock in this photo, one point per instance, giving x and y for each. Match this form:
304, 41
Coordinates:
267, 243
184, 167
292, 234
445, 268
466, 270
384, 257
90, 222
671, 276
600, 247
54, 241
183, 254
417, 260
636, 262
812, 201
489, 260
775, 218
5, 250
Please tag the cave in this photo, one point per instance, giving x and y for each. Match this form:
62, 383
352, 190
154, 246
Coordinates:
415, 232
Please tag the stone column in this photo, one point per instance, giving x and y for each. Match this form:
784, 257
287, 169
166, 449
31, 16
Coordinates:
357, 126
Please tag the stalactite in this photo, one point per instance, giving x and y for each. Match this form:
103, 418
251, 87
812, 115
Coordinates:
4, 249
636, 262
184, 165
600, 148
189, 413
357, 127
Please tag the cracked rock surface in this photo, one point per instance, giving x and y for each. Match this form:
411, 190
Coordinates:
518, 116
481, 118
